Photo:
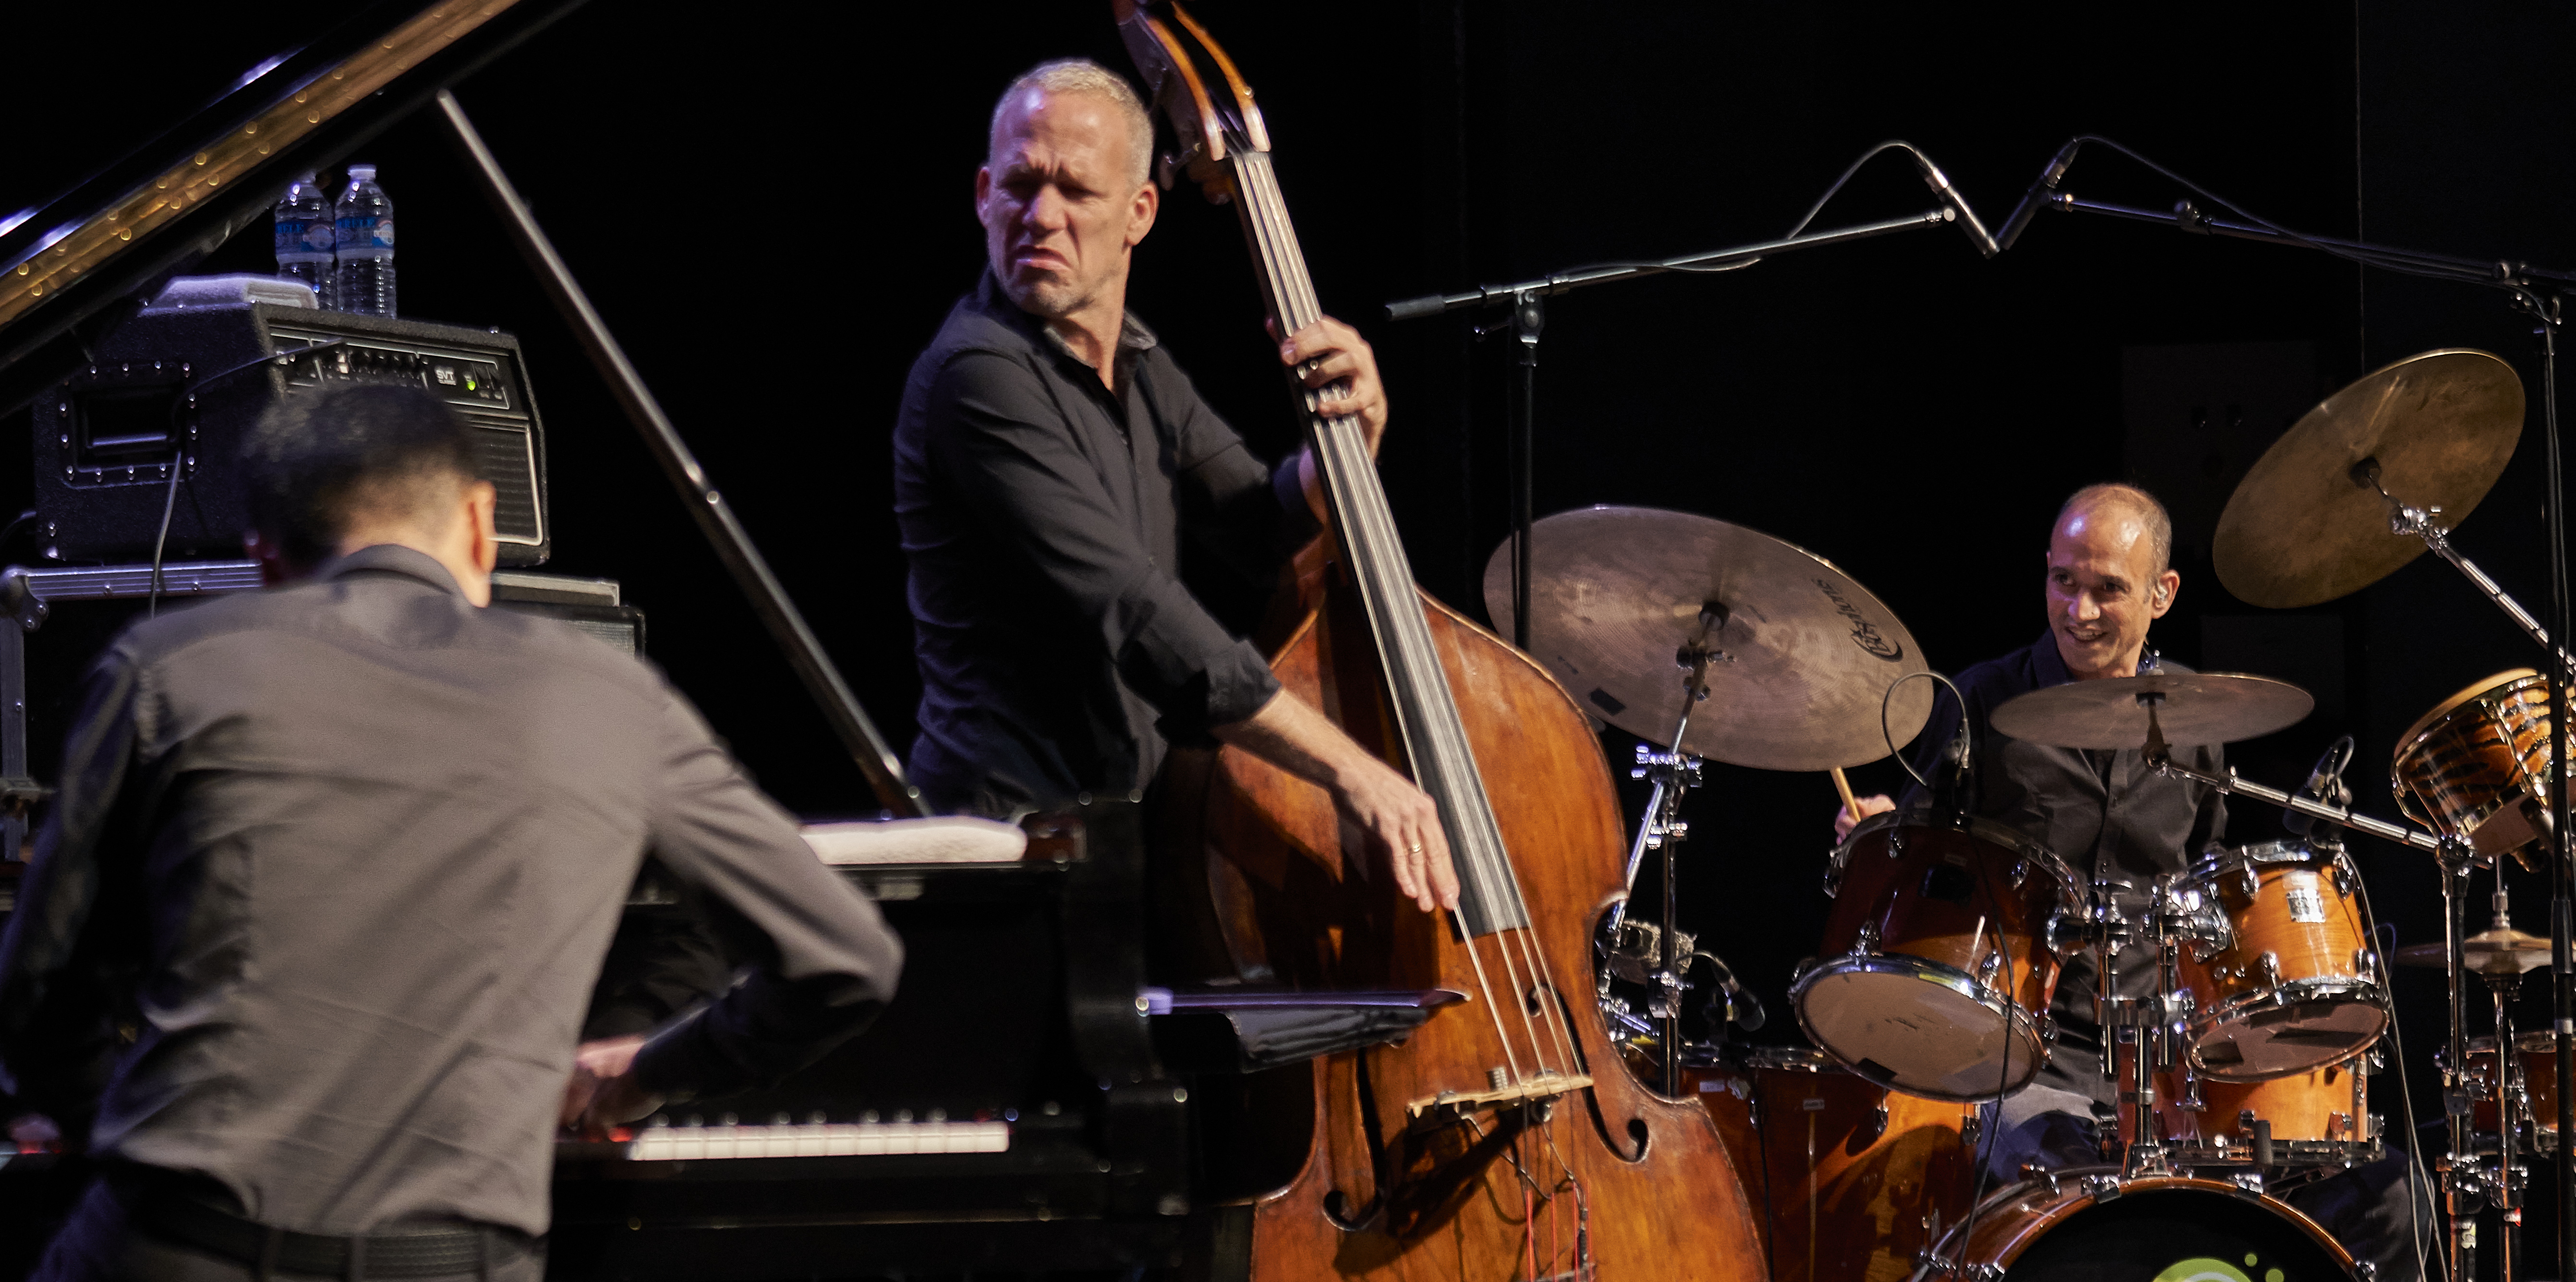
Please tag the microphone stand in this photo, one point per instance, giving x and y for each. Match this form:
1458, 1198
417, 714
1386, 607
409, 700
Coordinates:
2525, 285
1529, 316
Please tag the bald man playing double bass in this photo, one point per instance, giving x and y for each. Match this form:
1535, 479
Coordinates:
1053, 470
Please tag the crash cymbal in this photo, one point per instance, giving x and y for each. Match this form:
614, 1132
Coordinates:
2197, 708
1617, 593
2306, 525
2494, 952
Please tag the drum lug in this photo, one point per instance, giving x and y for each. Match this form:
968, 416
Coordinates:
2367, 1270
2101, 1188
2343, 876
2248, 1184
2270, 964
1879, 1127
2020, 872
1896, 845
2034, 1173
2253, 881
1986, 969
1866, 943
2191, 1101
1971, 1128
2047, 1027
2365, 962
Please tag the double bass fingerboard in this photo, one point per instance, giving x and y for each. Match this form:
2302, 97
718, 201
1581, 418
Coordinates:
1489, 898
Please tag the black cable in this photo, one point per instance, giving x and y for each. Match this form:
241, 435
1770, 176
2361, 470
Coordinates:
169, 504
1738, 264
2418, 1181
1887, 736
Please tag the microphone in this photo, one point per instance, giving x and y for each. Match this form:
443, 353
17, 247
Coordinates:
2325, 783
1958, 204
1742, 1007
2038, 195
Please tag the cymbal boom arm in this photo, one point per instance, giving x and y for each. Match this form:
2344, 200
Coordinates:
2420, 523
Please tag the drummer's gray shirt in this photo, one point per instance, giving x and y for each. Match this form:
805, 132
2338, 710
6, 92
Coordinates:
352, 851
2105, 813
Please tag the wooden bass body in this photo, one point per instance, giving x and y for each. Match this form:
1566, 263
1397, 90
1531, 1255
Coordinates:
1639, 1184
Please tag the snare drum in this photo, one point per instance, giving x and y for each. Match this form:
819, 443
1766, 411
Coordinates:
2465, 768
2318, 1119
1940, 963
1854, 1177
2095, 1226
2292, 985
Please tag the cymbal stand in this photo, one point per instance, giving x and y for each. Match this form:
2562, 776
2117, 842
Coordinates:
2463, 1180
2504, 1180
2421, 523
1674, 773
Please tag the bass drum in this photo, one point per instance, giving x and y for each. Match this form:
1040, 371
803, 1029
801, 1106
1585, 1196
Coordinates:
2095, 1226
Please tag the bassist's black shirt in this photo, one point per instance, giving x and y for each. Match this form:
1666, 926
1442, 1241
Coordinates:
1043, 515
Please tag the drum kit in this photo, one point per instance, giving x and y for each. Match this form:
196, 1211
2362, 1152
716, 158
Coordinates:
2243, 1060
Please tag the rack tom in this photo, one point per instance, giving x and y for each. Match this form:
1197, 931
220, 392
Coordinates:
2291, 985
1939, 957
2465, 768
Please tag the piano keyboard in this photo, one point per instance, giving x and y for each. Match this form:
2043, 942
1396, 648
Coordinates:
823, 1139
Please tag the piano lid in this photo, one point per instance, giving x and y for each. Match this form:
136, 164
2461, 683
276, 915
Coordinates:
79, 264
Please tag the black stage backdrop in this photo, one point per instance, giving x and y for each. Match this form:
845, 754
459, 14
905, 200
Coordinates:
772, 207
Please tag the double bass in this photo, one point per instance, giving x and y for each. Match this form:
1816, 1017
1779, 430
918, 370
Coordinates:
1505, 1137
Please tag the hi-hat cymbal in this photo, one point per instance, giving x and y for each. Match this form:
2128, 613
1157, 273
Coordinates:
2306, 524
2196, 708
1617, 593
2494, 952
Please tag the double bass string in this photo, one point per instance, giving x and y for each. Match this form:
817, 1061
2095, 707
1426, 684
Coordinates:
1404, 641
1292, 300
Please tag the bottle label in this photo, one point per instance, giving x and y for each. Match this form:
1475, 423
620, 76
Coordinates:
367, 231
304, 236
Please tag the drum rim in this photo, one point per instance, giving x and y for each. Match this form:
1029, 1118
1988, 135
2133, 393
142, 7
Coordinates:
2073, 1195
1932, 972
1976, 826
2208, 1020
2347, 1153
2214, 864
2475, 692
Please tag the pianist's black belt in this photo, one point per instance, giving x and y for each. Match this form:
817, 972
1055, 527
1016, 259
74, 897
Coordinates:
161, 1210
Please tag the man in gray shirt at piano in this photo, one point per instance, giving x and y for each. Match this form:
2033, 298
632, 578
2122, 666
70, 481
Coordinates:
341, 859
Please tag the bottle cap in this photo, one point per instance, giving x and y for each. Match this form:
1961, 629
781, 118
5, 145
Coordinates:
362, 173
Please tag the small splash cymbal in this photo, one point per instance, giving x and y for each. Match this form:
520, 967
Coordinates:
2190, 707
2494, 952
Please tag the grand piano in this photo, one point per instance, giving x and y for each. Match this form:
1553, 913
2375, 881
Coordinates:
1010, 1111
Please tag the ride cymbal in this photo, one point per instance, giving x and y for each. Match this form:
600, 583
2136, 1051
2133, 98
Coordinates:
2308, 523
2195, 708
1801, 654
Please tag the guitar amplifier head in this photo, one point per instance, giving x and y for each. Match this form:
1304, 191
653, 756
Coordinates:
181, 387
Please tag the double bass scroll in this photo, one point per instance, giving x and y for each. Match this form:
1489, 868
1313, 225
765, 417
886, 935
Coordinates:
1505, 1137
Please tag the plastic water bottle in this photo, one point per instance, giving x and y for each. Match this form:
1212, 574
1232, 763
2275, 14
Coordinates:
365, 245
304, 237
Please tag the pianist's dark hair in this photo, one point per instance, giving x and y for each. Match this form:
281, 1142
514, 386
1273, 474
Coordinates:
314, 465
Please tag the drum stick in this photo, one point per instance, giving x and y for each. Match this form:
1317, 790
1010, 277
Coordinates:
1843, 786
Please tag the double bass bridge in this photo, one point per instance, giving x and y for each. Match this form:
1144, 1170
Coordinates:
1535, 1092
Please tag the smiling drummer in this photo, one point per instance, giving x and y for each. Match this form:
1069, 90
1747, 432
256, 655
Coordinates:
2113, 818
